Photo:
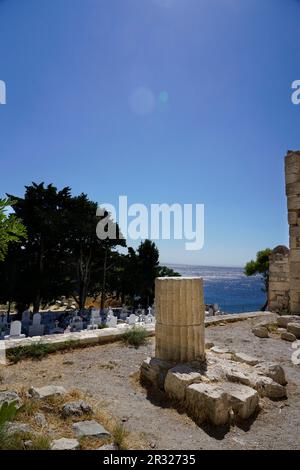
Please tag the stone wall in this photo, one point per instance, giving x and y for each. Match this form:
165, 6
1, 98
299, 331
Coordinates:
279, 280
292, 178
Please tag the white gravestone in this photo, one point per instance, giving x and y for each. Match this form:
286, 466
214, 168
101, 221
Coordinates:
76, 323
15, 330
149, 318
112, 322
36, 329
131, 320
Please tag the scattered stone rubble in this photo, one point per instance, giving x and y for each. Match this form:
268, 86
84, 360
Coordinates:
287, 325
222, 390
212, 384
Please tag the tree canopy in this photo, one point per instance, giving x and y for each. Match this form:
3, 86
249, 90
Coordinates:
61, 254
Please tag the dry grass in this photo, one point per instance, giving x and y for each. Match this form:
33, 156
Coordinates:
60, 426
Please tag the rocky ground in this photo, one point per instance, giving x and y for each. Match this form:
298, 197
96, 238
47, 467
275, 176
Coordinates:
107, 376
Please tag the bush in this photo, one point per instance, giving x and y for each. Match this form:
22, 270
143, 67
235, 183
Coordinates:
136, 336
119, 435
8, 412
38, 350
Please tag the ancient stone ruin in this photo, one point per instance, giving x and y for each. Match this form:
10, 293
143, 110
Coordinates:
284, 287
212, 384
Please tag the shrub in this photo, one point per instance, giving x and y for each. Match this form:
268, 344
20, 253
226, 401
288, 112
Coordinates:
119, 435
136, 336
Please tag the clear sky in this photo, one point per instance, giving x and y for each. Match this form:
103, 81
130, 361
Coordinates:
184, 101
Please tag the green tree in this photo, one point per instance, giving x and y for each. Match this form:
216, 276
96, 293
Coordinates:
11, 228
164, 271
260, 266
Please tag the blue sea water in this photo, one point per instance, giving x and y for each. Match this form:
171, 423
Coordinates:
228, 287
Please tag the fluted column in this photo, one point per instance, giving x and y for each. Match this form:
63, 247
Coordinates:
179, 327
292, 178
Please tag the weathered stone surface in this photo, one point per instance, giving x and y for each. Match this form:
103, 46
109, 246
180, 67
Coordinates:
90, 429
208, 402
294, 328
286, 336
46, 392
272, 370
260, 332
219, 350
40, 420
154, 372
283, 320
10, 396
179, 332
108, 447
65, 444
266, 387
243, 400
244, 358
18, 428
216, 402
76, 408
178, 379
209, 345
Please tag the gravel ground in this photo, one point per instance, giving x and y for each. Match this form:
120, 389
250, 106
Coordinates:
109, 374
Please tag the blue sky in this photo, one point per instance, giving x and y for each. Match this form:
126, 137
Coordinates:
184, 101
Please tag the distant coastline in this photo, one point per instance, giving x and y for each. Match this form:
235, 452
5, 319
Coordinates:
227, 286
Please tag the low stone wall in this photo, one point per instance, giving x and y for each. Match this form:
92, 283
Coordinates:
110, 335
279, 280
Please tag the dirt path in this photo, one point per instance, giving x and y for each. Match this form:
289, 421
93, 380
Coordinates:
107, 374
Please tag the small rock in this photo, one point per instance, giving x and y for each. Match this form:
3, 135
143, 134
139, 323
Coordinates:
65, 444
266, 387
10, 396
28, 444
286, 336
209, 345
90, 428
45, 392
18, 428
108, 447
218, 350
294, 328
178, 379
245, 359
283, 320
272, 370
260, 332
40, 420
76, 408
281, 330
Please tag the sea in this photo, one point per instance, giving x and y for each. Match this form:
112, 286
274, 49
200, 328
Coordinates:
228, 287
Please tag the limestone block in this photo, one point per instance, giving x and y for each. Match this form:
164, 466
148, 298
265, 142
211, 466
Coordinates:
154, 372
293, 202
208, 402
286, 336
292, 217
178, 379
243, 400
65, 444
46, 392
284, 320
260, 331
179, 319
294, 328
90, 429
267, 387
244, 358
272, 370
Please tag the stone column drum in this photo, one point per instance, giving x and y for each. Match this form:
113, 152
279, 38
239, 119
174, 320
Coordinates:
292, 179
180, 326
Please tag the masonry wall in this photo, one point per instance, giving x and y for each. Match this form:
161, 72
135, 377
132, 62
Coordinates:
279, 281
292, 177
